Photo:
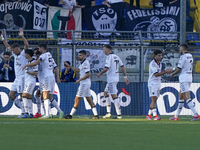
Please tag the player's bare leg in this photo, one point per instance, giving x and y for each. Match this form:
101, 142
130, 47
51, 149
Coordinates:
153, 109
45, 95
76, 104
94, 110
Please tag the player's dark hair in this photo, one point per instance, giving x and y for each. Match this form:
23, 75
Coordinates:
15, 45
185, 46
108, 46
156, 52
6, 53
30, 52
37, 52
43, 45
36, 49
82, 52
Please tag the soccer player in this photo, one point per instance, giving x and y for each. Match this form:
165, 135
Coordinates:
154, 82
184, 67
19, 61
30, 81
84, 87
113, 62
38, 93
48, 82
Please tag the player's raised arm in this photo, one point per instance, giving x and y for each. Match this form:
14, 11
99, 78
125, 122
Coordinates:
21, 33
4, 42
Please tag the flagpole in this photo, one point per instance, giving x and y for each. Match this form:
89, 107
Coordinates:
182, 22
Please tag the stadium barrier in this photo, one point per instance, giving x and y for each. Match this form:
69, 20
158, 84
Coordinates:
134, 99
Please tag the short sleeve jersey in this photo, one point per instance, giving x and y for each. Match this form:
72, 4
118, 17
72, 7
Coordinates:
19, 62
46, 64
29, 77
84, 69
113, 62
154, 68
186, 65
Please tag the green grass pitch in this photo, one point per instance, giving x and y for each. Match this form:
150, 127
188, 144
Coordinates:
82, 133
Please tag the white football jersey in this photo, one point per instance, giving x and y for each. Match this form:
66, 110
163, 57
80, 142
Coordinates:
186, 65
113, 62
29, 77
46, 64
154, 68
19, 62
84, 68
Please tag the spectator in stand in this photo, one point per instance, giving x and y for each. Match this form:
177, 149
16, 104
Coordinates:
84, 4
137, 3
107, 2
67, 74
7, 69
160, 3
68, 4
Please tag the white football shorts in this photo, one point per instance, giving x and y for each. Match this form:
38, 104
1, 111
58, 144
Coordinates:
111, 88
18, 85
48, 84
84, 90
154, 90
29, 87
185, 86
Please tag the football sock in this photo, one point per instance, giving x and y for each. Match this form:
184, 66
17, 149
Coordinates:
191, 106
46, 105
150, 111
22, 107
154, 110
108, 104
94, 110
25, 102
17, 102
38, 102
30, 106
117, 106
43, 107
73, 111
180, 107
55, 104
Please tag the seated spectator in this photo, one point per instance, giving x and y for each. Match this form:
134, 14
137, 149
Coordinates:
7, 69
67, 74
107, 2
160, 3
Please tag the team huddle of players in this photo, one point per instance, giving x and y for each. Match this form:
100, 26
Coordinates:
39, 63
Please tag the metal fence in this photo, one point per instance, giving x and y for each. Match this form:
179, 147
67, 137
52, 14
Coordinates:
134, 48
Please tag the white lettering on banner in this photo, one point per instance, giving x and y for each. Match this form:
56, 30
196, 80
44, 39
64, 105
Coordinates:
137, 13
25, 6
100, 99
39, 18
173, 99
14, 110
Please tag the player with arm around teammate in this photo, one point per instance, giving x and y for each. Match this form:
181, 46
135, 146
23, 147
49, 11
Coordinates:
154, 82
113, 62
46, 62
19, 61
184, 67
84, 87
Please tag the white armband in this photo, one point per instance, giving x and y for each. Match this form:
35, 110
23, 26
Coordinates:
125, 77
2, 38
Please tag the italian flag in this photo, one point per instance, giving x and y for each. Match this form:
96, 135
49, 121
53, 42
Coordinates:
55, 15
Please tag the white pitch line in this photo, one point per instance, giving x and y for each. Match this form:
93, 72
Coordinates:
117, 123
